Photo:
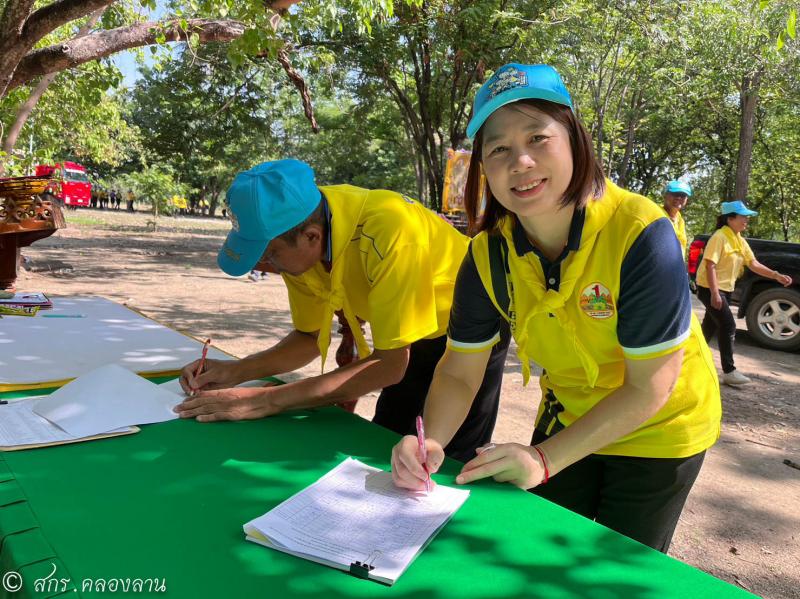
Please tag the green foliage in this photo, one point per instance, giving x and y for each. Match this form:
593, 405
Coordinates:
657, 84
205, 118
75, 120
154, 184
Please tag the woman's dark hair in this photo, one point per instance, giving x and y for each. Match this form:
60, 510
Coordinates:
722, 220
587, 181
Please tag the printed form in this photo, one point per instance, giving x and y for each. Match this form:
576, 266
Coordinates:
355, 513
20, 425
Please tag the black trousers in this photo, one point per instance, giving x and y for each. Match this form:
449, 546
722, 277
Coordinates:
399, 405
721, 323
641, 498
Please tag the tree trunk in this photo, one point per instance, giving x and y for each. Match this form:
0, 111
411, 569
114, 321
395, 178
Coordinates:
26, 108
20, 30
23, 112
630, 140
748, 97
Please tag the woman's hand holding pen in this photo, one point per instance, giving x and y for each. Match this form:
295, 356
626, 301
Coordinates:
217, 374
520, 465
239, 403
408, 470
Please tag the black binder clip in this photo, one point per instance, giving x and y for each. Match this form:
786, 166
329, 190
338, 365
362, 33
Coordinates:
362, 569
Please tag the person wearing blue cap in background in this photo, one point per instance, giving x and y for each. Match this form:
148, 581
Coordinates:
676, 195
724, 258
591, 281
375, 255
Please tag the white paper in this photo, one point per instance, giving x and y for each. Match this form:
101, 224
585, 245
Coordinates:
20, 425
356, 513
107, 398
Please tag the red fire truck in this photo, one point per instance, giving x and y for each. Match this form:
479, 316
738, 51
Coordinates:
71, 185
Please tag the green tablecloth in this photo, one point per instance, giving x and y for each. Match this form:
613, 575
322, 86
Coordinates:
169, 502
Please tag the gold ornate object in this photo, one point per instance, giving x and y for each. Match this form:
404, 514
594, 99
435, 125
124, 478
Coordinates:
25, 216
23, 187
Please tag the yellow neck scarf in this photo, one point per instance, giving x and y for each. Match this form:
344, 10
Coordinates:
532, 298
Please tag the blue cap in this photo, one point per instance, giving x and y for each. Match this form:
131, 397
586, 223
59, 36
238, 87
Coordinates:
678, 187
513, 82
262, 203
737, 207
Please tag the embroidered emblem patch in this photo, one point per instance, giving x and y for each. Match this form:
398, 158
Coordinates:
596, 301
507, 79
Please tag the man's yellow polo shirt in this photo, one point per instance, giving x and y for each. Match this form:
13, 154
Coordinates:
730, 252
394, 265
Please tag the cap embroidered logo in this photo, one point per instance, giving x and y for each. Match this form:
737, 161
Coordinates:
231, 254
507, 79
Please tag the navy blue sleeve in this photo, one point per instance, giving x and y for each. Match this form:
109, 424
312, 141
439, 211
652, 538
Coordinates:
475, 323
654, 302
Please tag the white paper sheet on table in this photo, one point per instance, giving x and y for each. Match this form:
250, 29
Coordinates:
107, 398
355, 513
20, 425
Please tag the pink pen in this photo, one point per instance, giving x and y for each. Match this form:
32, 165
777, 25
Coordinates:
202, 363
423, 452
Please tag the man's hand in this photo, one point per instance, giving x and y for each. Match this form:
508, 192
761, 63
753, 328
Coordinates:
408, 471
517, 464
217, 374
240, 403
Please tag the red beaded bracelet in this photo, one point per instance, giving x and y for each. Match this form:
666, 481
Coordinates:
544, 464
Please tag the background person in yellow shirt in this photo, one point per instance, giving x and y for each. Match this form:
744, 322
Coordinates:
724, 258
590, 280
676, 196
374, 254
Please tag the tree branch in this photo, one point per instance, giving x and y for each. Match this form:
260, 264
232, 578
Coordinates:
298, 81
85, 49
52, 16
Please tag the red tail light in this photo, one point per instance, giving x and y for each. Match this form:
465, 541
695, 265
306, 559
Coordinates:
695, 250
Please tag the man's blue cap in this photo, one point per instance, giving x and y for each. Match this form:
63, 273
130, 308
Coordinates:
737, 207
263, 203
513, 82
678, 187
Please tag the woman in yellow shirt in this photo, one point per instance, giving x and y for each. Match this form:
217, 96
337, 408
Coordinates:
724, 259
591, 282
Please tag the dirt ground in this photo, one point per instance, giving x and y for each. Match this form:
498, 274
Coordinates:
741, 522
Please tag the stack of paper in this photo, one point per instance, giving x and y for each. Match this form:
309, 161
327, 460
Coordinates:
106, 401
354, 518
22, 428
25, 304
36, 298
